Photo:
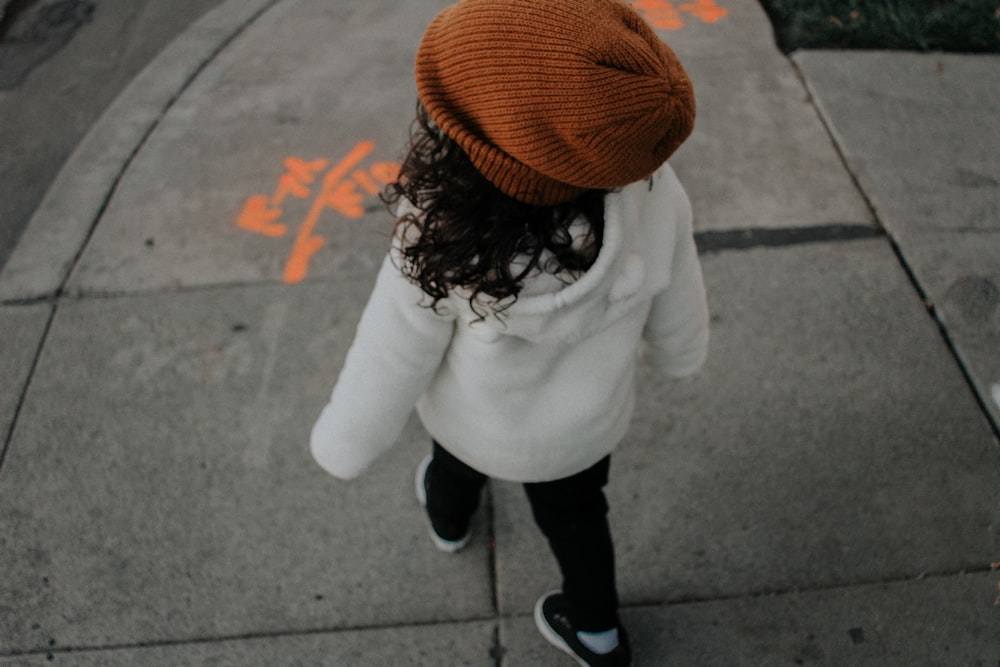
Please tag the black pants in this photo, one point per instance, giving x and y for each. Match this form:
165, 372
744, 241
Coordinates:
571, 513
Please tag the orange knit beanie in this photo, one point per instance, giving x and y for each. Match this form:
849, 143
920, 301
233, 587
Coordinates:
550, 98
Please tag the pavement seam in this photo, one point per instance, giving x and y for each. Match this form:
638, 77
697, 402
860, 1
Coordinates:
712, 241
28, 301
76, 296
9, 435
249, 636
491, 540
982, 401
497, 650
707, 241
973, 569
835, 142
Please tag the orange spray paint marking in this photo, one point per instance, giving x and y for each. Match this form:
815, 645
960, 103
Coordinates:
364, 179
300, 173
660, 13
338, 194
706, 10
260, 212
385, 172
259, 216
343, 189
664, 15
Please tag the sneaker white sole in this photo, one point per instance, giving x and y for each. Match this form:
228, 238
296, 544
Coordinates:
550, 635
447, 546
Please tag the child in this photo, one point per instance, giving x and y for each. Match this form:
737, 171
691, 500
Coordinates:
540, 238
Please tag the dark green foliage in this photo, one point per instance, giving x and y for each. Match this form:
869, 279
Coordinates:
970, 26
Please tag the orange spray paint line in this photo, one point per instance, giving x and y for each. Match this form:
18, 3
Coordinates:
334, 194
260, 213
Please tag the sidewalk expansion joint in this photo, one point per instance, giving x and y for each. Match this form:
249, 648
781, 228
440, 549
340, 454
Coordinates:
83, 294
837, 148
30, 301
712, 241
497, 649
982, 401
9, 435
972, 569
492, 549
249, 636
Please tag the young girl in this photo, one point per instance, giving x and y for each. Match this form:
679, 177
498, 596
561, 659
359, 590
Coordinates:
540, 238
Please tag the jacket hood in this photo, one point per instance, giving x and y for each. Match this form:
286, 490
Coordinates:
623, 274
575, 310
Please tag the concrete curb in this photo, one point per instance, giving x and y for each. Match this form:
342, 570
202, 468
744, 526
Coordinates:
73, 205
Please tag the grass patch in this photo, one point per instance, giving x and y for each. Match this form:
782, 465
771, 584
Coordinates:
966, 26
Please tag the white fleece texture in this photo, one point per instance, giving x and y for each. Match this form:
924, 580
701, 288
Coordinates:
546, 389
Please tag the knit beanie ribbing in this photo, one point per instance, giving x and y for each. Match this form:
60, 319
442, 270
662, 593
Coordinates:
550, 98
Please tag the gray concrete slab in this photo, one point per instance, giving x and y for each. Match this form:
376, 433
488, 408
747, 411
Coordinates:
21, 330
759, 156
159, 486
60, 227
464, 644
829, 440
922, 133
309, 80
938, 621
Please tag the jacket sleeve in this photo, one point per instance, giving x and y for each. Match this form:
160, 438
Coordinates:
676, 332
395, 354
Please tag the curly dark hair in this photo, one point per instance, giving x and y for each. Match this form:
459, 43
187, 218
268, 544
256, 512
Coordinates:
466, 232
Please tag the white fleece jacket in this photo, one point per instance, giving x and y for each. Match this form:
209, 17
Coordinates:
547, 389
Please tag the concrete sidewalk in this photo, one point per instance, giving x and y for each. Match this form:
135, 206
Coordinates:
826, 492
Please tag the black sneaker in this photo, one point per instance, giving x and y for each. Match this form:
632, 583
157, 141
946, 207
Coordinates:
552, 619
447, 538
